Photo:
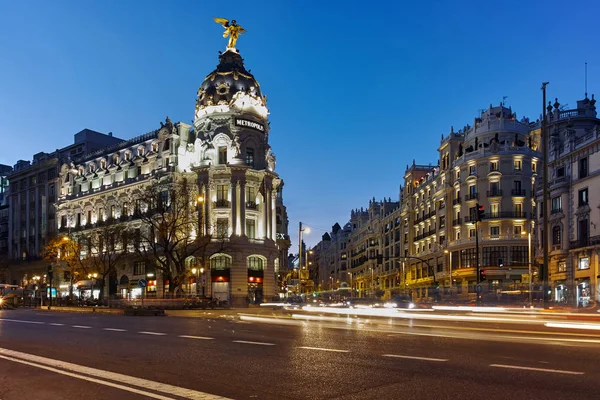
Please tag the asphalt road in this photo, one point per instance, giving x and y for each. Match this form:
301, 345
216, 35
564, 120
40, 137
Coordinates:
86, 356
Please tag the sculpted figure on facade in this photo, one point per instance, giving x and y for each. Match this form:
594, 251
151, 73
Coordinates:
236, 146
271, 160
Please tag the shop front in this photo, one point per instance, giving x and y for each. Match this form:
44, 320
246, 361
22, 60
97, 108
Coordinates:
584, 292
256, 275
220, 273
560, 292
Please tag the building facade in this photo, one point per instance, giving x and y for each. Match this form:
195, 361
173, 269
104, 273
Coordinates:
226, 154
573, 234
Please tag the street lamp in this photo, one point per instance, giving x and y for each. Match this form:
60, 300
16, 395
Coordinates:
92, 276
200, 203
450, 268
351, 288
301, 230
529, 262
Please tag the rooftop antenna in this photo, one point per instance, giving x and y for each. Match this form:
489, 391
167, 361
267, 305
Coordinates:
586, 79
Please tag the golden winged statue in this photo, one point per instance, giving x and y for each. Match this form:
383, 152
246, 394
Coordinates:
232, 29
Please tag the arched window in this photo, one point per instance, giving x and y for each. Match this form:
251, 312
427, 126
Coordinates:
255, 263
220, 262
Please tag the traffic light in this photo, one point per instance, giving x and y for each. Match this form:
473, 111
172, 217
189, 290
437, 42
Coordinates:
480, 212
500, 263
481, 275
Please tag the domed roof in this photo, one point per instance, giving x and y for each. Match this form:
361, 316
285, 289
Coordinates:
229, 78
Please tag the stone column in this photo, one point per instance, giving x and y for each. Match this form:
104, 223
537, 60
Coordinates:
268, 205
273, 215
269, 280
265, 215
208, 187
243, 207
238, 284
233, 207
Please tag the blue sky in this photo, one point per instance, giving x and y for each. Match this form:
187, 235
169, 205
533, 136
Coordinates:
356, 89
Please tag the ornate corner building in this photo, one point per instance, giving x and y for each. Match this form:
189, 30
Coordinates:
226, 153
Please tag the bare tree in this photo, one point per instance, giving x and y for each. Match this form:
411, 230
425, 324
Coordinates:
65, 252
171, 229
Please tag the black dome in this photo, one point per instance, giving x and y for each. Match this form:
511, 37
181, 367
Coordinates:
229, 78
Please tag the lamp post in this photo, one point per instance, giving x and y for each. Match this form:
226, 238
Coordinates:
200, 203
90, 277
372, 290
449, 268
351, 288
301, 230
529, 263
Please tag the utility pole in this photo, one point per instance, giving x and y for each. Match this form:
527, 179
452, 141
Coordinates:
544, 137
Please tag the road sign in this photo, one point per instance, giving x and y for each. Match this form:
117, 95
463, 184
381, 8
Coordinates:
203, 280
142, 283
478, 288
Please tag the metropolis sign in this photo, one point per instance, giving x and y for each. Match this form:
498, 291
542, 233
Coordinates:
249, 124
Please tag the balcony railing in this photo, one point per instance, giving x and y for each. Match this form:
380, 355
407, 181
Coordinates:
456, 201
494, 193
472, 196
586, 241
554, 211
456, 222
519, 192
506, 214
251, 205
221, 203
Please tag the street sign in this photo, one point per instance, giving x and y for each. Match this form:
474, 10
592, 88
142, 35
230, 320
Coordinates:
478, 288
203, 280
142, 283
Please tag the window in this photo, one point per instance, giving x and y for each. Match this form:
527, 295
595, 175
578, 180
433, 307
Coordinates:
457, 174
223, 155
517, 165
250, 157
472, 232
467, 258
583, 167
139, 268
221, 193
494, 210
472, 170
517, 187
255, 263
128, 156
89, 217
517, 229
562, 266
116, 159
556, 236
457, 233
102, 164
494, 230
250, 194
251, 228
584, 263
518, 209
556, 204
140, 151
491, 255
124, 212
560, 172
533, 167
220, 263
493, 166
101, 214
112, 211
222, 227
155, 147
583, 197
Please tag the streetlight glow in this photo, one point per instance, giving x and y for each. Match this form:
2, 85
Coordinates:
194, 271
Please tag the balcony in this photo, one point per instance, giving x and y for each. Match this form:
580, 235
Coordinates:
519, 192
506, 214
456, 201
471, 196
585, 242
555, 211
251, 205
221, 203
494, 193
456, 222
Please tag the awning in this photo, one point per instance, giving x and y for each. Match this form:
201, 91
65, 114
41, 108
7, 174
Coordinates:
86, 283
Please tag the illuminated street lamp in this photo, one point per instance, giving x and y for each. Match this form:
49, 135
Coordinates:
200, 203
351, 288
92, 276
450, 268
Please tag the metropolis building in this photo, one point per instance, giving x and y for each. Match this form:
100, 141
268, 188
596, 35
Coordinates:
227, 154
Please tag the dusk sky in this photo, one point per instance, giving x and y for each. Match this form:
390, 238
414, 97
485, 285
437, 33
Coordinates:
356, 90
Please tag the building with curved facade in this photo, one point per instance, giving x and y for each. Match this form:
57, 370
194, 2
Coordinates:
227, 155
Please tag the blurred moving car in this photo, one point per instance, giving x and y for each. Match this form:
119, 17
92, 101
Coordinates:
364, 302
400, 301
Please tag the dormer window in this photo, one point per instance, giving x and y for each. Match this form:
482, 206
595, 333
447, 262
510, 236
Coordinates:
155, 147
103, 164
91, 167
116, 159
81, 171
128, 156
140, 151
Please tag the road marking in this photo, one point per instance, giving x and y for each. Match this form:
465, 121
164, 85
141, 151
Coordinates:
81, 326
414, 357
68, 368
324, 349
196, 337
153, 333
258, 343
114, 330
22, 322
55, 324
556, 371
90, 379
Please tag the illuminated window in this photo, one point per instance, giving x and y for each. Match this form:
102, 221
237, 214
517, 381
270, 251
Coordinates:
250, 157
222, 227
517, 165
251, 228
222, 192
494, 230
533, 167
493, 166
255, 263
517, 229
155, 147
139, 268
140, 151
584, 263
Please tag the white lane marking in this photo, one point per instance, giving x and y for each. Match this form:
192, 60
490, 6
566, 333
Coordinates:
153, 333
324, 349
90, 379
567, 325
22, 321
556, 371
55, 324
113, 376
257, 343
114, 330
415, 358
196, 337
81, 326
